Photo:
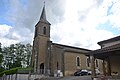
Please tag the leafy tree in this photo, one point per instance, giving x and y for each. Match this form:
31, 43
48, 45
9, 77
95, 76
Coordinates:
1, 59
28, 51
17, 55
0, 47
8, 53
1, 68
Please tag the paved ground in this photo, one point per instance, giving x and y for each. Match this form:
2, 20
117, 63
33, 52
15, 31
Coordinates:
69, 78
76, 78
42, 77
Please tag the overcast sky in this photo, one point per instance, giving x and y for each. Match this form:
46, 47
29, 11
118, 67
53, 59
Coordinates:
80, 23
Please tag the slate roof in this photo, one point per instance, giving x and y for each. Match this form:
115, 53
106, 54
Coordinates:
109, 40
71, 47
107, 49
43, 16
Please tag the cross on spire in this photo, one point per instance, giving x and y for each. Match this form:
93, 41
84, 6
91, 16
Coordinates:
44, 3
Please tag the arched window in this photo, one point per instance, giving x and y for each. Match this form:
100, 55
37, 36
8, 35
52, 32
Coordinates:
42, 68
96, 62
44, 30
78, 61
88, 61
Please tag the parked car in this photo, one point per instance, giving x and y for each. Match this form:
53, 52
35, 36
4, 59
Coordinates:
89, 72
85, 72
81, 73
97, 72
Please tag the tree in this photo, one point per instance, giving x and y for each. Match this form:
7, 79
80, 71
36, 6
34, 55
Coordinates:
9, 56
0, 47
28, 51
1, 59
20, 54
1, 56
17, 55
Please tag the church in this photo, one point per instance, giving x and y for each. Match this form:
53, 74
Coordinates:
49, 58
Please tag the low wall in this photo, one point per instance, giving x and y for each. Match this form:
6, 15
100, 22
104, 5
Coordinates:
21, 77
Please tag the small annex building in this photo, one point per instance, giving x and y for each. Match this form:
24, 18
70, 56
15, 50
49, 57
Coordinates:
110, 55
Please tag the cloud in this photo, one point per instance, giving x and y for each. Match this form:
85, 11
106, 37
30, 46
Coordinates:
75, 35
74, 22
10, 36
115, 15
24, 15
4, 30
80, 25
27, 16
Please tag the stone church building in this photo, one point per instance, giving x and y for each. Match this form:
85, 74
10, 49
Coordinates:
49, 58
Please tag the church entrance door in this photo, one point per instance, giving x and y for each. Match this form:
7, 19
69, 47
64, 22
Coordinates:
42, 68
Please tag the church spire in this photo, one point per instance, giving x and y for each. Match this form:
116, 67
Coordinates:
43, 15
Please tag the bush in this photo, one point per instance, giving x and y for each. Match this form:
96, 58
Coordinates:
9, 72
16, 70
24, 70
1, 69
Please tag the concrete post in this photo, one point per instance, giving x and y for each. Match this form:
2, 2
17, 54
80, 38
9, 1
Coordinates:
16, 76
62, 62
104, 69
93, 66
109, 66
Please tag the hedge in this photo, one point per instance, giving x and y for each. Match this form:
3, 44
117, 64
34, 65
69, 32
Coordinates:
16, 70
24, 70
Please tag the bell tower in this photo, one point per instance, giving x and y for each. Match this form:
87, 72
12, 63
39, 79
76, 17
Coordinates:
42, 28
40, 44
